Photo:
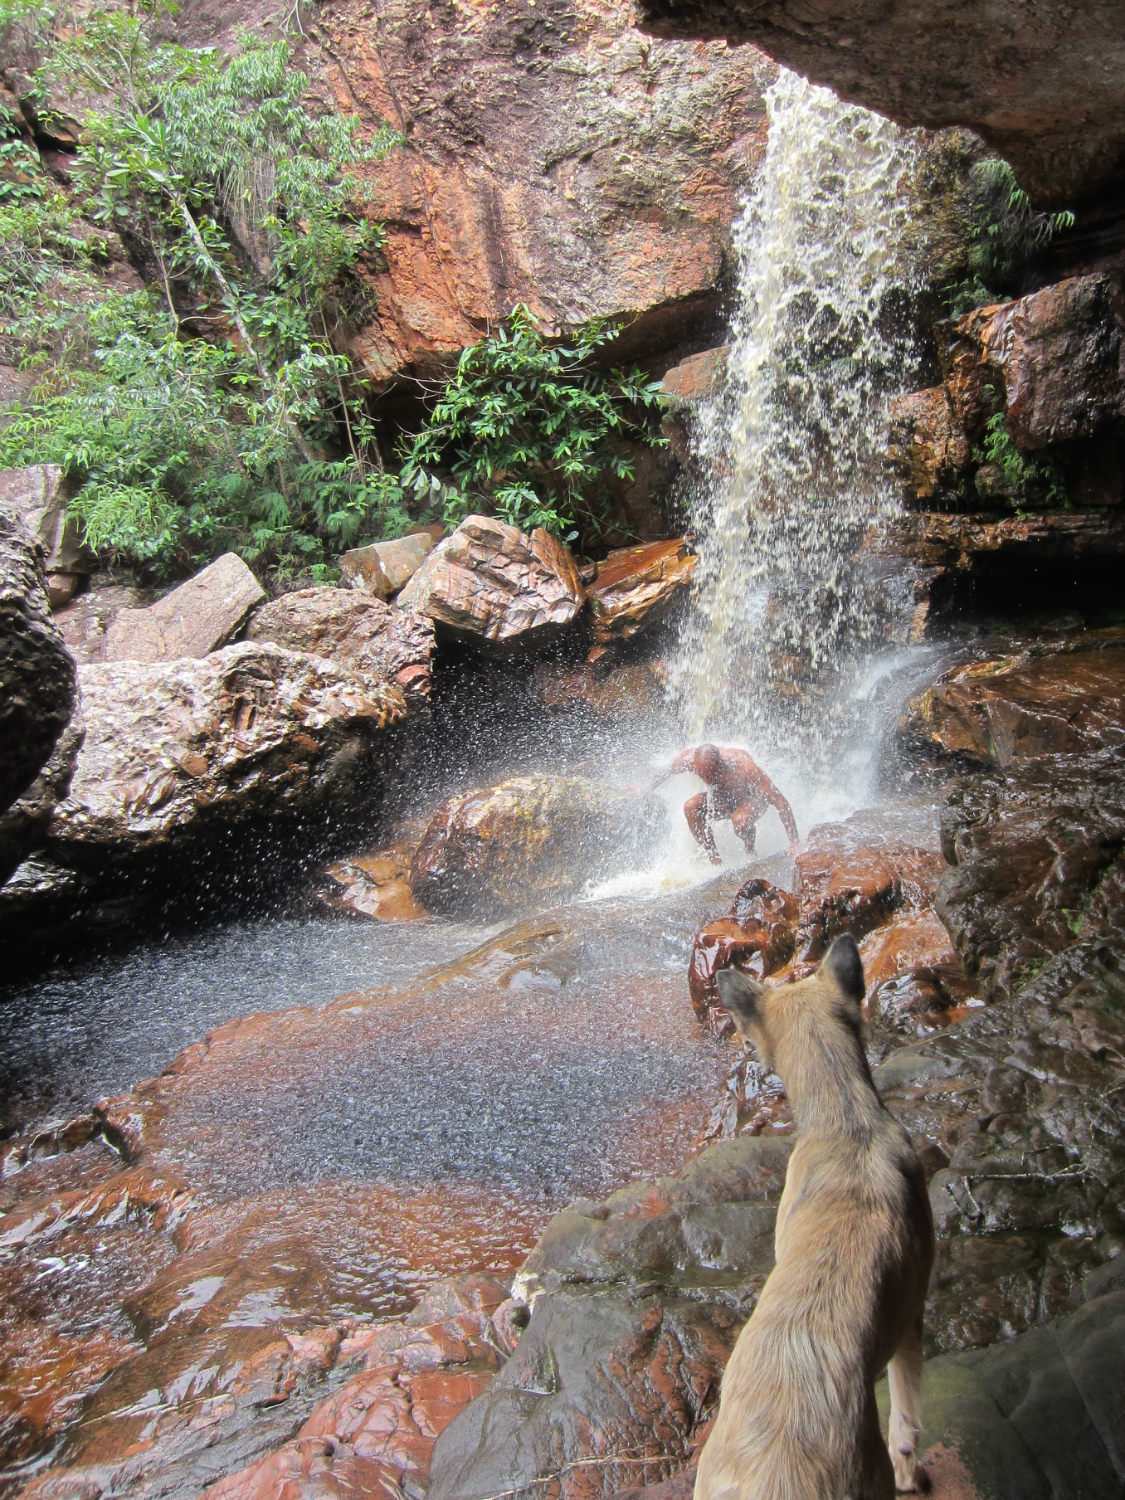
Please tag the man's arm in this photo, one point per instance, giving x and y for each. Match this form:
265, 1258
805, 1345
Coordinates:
789, 823
680, 763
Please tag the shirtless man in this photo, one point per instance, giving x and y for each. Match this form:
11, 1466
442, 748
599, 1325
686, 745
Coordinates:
738, 789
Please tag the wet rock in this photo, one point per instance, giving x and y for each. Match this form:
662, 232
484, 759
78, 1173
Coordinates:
361, 634
926, 447
627, 690
997, 712
636, 587
37, 680
1023, 1100
1012, 78
24, 826
758, 935
850, 886
86, 619
40, 497
383, 567
173, 748
713, 1221
697, 377
1052, 361
951, 555
372, 885
491, 582
1038, 855
199, 616
529, 841
1036, 1416
607, 1389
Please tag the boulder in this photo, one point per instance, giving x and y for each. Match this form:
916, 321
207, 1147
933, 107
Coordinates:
607, 1388
192, 620
37, 680
758, 935
371, 885
39, 495
383, 567
697, 377
1053, 361
635, 588
847, 885
1038, 864
1036, 1416
997, 712
713, 1220
85, 621
491, 582
1044, 89
358, 633
173, 748
529, 842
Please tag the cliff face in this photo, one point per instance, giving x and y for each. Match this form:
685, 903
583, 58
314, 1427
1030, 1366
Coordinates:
553, 155
1044, 84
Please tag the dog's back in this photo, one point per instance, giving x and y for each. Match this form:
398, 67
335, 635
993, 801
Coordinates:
854, 1243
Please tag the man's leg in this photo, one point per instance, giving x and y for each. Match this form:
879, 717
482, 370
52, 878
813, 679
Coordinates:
695, 811
744, 817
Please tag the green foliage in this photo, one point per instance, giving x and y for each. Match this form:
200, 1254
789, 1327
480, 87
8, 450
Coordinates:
195, 415
1005, 233
1038, 478
534, 430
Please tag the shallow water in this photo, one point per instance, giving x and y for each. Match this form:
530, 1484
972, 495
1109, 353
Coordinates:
92, 1028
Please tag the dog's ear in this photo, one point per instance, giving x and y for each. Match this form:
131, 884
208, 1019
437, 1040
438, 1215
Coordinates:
740, 994
843, 965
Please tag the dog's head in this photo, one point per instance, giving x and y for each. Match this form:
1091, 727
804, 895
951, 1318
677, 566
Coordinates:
766, 1016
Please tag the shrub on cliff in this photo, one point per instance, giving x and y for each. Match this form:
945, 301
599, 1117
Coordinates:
534, 430
194, 414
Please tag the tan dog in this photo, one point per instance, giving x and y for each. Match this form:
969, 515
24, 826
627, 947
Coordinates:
854, 1244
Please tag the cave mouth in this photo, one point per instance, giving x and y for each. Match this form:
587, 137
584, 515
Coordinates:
1028, 587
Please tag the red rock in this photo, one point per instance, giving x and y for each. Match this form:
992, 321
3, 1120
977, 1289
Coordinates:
627, 690
845, 888
926, 447
192, 620
491, 582
1055, 358
379, 1427
354, 631
528, 841
1009, 713
383, 567
372, 885
912, 940
696, 377
636, 586
513, 183
757, 936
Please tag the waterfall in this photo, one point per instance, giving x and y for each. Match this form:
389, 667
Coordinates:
790, 452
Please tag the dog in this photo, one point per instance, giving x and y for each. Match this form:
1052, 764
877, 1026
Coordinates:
854, 1249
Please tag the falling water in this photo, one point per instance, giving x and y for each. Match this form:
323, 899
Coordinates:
790, 451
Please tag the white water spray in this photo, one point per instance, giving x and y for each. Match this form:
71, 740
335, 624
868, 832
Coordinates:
791, 450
